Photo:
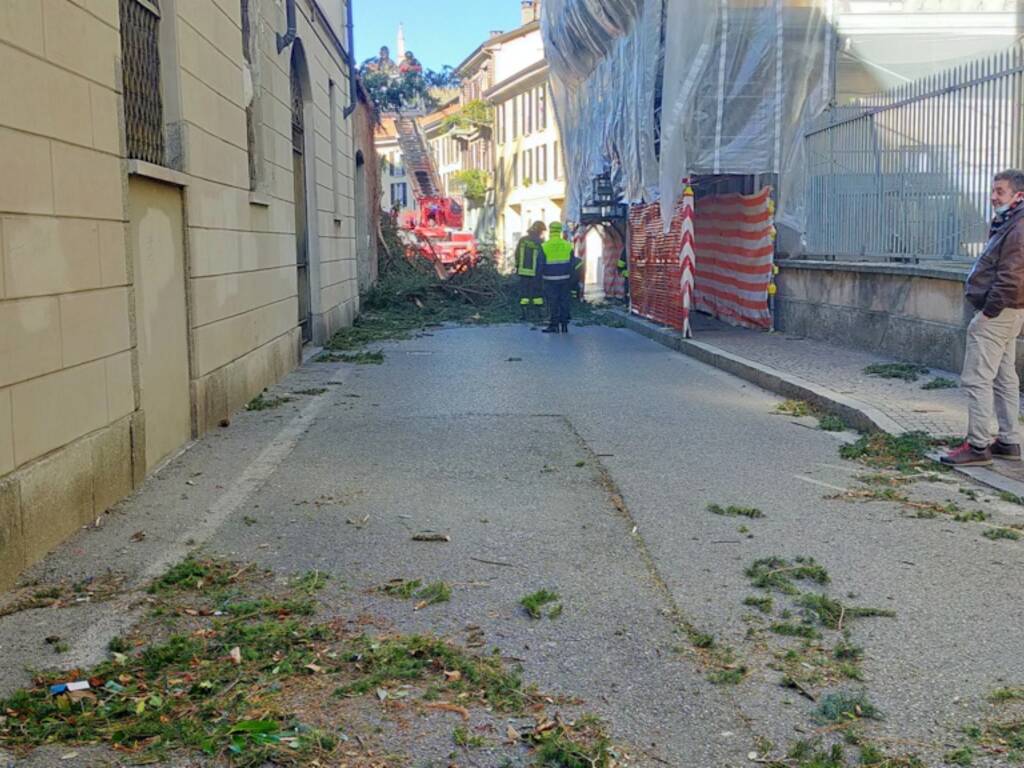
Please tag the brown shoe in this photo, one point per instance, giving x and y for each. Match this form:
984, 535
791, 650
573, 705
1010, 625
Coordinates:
1005, 451
967, 456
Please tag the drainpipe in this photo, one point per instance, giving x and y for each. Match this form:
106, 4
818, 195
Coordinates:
351, 65
283, 41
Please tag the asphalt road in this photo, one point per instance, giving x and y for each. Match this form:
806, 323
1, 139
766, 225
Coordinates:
583, 464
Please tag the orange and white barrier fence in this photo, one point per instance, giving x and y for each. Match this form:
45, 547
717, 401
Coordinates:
656, 279
735, 241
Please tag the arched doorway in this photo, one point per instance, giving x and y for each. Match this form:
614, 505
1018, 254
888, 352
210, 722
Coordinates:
299, 91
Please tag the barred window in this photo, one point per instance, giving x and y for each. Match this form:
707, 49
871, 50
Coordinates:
140, 63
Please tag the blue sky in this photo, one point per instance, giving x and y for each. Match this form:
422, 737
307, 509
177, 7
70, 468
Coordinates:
439, 32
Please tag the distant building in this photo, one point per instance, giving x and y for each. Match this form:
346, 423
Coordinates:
516, 157
448, 153
886, 44
529, 175
397, 193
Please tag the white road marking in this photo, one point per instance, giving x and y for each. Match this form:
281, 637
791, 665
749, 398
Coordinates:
121, 615
812, 481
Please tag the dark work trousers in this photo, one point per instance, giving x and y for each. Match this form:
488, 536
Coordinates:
557, 296
531, 291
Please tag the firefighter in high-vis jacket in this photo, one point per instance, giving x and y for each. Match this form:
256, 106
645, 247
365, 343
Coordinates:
560, 273
529, 263
622, 265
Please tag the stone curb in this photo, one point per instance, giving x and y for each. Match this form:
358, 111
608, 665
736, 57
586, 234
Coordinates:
858, 414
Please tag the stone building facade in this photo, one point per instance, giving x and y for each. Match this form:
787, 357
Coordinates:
529, 167
177, 221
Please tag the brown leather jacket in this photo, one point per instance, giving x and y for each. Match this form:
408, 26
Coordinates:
996, 281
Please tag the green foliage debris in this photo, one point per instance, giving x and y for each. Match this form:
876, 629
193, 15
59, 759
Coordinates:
845, 706
940, 383
438, 592
312, 581
778, 573
311, 392
463, 738
796, 408
902, 371
1007, 694
970, 516
762, 603
906, 452
584, 744
832, 613
790, 629
963, 756
734, 511
995, 534
535, 602
430, 594
380, 661
404, 588
732, 676
193, 574
831, 423
261, 403
354, 358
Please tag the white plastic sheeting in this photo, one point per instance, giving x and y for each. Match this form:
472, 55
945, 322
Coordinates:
604, 98
584, 32
740, 81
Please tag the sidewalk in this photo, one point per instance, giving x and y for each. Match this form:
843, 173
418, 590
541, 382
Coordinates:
833, 378
940, 412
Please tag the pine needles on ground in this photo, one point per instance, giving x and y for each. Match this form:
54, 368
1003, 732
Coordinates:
409, 297
906, 452
902, 371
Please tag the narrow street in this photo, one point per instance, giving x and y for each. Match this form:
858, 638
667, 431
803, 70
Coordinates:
585, 465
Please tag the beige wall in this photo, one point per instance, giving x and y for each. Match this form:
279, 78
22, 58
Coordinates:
65, 340
915, 313
156, 241
72, 421
242, 243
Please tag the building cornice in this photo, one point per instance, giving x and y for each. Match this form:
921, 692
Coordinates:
504, 37
536, 71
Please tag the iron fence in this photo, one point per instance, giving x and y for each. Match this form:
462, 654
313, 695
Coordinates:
905, 175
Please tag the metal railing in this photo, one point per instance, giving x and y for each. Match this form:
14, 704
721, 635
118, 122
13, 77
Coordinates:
905, 175
140, 61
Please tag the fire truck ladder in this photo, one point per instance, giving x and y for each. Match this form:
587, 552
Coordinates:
419, 163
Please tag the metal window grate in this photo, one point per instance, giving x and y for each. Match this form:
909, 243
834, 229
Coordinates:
140, 63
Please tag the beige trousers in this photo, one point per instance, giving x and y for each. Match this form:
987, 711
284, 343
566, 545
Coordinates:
990, 377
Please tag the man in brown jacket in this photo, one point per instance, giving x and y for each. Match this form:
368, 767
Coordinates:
995, 288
